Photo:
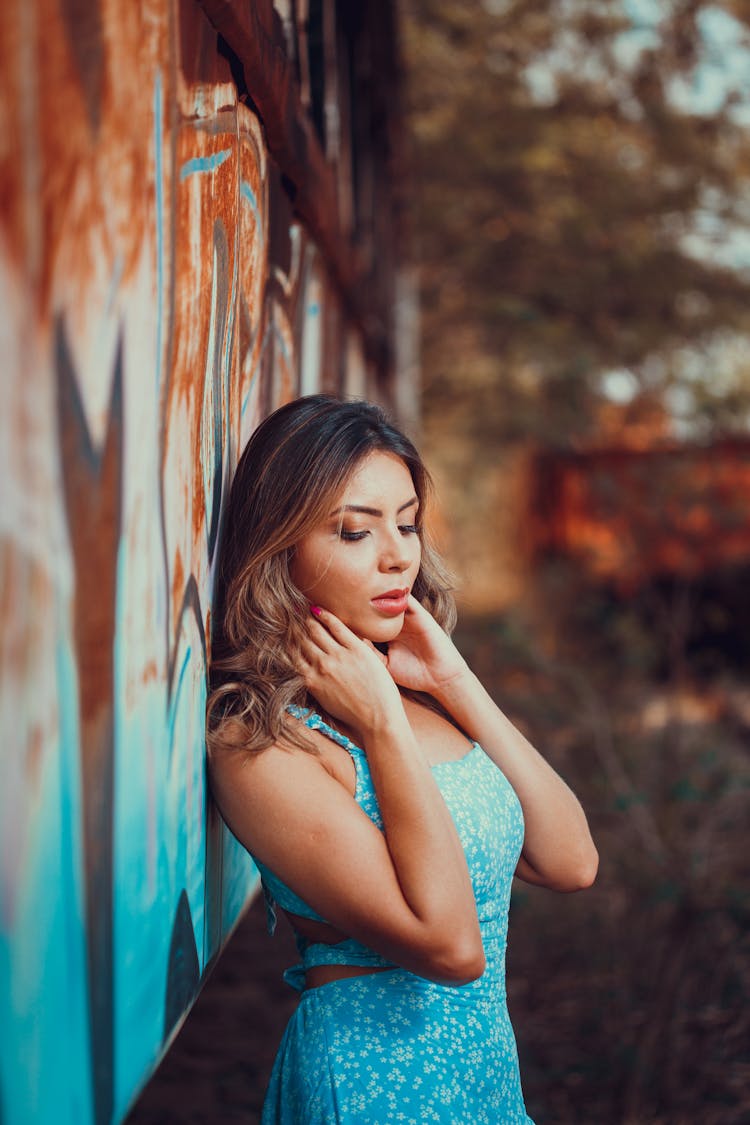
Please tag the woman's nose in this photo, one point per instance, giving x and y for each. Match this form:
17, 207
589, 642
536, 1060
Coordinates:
397, 553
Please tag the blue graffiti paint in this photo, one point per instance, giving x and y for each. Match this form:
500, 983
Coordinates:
204, 163
230, 321
45, 1064
255, 373
282, 344
141, 855
240, 879
160, 827
214, 385
246, 397
71, 886
175, 697
247, 193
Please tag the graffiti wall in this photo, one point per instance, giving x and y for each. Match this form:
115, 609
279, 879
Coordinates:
183, 186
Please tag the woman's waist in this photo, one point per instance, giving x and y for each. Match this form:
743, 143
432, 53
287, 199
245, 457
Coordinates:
352, 952
323, 962
388, 984
321, 955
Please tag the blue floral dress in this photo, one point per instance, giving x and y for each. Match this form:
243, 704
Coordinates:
392, 1046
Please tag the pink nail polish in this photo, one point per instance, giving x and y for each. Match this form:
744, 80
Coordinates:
315, 610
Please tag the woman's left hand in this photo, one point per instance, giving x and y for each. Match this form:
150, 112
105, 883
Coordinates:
423, 657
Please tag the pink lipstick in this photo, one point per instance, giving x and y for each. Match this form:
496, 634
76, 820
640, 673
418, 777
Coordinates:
392, 603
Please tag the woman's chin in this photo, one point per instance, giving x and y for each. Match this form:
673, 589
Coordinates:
379, 630
385, 630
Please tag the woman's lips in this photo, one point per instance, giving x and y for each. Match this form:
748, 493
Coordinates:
393, 603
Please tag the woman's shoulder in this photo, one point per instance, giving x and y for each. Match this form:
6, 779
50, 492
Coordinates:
283, 763
274, 800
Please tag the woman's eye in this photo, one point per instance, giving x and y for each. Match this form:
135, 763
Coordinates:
408, 528
352, 536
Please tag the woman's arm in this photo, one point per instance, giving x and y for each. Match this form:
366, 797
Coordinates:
405, 892
558, 850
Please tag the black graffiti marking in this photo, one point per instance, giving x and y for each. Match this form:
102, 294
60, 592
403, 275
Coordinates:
183, 974
92, 486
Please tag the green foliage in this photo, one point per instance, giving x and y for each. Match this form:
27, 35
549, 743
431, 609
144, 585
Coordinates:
574, 215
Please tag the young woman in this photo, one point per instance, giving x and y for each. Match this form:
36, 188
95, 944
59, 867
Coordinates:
386, 800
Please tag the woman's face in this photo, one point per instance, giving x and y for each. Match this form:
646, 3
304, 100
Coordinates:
362, 560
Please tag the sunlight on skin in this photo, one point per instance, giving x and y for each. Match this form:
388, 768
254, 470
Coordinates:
361, 563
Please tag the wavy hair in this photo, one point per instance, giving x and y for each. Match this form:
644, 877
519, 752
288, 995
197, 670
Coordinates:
287, 481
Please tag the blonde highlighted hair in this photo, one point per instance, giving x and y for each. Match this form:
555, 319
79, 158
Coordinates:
288, 480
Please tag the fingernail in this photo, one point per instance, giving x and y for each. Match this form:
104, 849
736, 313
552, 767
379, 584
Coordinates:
315, 610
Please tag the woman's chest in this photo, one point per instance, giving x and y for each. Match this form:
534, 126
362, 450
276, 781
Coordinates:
437, 738
489, 820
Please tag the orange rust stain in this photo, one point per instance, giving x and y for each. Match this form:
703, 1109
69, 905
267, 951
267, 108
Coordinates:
628, 515
26, 608
10, 566
92, 191
15, 104
198, 509
149, 672
208, 636
178, 578
34, 753
203, 198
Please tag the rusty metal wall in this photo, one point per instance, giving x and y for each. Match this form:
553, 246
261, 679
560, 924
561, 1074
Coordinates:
180, 252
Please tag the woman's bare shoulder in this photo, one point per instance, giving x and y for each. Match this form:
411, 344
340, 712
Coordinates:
259, 774
234, 757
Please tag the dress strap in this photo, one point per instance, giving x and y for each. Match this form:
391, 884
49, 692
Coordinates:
270, 902
314, 721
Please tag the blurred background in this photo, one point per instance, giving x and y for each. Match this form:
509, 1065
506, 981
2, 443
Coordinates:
578, 210
581, 218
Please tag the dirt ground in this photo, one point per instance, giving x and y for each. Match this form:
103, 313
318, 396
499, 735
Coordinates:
218, 1067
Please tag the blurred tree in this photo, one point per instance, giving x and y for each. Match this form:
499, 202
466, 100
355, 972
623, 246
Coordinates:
583, 170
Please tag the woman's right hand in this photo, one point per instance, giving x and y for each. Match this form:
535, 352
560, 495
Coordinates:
403, 890
347, 675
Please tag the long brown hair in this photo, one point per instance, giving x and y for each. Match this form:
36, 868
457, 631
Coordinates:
288, 479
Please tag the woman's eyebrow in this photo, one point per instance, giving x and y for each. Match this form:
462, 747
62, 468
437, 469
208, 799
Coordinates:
373, 511
408, 504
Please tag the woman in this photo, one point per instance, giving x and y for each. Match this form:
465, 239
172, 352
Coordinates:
384, 797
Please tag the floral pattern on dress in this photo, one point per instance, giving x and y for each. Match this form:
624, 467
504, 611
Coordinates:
393, 1046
